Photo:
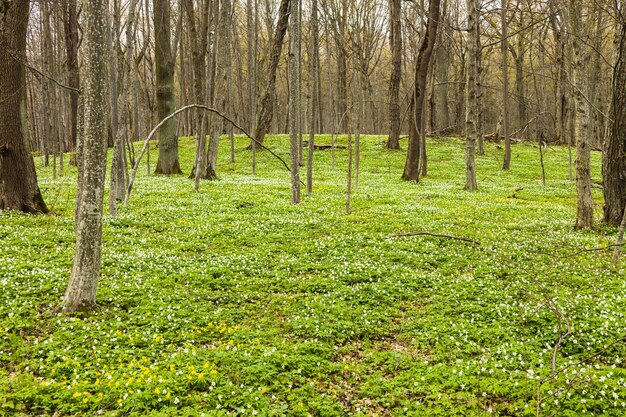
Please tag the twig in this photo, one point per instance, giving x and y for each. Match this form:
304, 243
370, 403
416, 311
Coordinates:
461, 238
562, 336
40, 73
174, 114
591, 250
620, 239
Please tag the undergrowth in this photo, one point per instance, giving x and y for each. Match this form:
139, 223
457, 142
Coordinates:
232, 301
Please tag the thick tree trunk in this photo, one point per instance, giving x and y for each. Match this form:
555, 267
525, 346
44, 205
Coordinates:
164, 62
266, 112
395, 124
422, 66
614, 161
81, 291
18, 178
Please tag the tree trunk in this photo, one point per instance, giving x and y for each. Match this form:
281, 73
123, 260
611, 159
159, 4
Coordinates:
70, 24
117, 188
266, 113
506, 165
18, 179
294, 100
614, 161
422, 65
395, 124
471, 95
223, 70
315, 58
584, 211
164, 63
561, 84
81, 291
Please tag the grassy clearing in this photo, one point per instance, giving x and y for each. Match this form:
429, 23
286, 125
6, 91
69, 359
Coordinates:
231, 301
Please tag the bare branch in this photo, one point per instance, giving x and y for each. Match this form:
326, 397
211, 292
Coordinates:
460, 238
174, 114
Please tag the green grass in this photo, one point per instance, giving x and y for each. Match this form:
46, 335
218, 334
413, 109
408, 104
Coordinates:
232, 301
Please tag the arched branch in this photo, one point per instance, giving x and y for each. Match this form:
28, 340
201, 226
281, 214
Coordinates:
174, 114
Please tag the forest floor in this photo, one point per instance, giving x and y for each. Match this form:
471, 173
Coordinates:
232, 301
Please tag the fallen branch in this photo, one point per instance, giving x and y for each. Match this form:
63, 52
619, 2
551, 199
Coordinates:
600, 249
317, 147
461, 238
517, 190
174, 114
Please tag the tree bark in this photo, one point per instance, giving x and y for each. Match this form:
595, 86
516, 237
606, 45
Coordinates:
18, 179
266, 112
164, 62
471, 95
395, 124
584, 200
83, 284
294, 100
506, 165
223, 70
70, 26
422, 66
614, 160
315, 58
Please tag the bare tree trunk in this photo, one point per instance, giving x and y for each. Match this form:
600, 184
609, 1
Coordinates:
341, 42
117, 189
584, 213
561, 89
294, 100
395, 124
70, 21
164, 62
18, 179
81, 291
266, 112
422, 66
314, 93
222, 53
471, 95
506, 165
198, 31
614, 160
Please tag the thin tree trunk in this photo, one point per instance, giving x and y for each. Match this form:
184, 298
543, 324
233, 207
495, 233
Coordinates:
506, 165
471, 95
70, 21
395, 124
314, 93
294, 100
118, 174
